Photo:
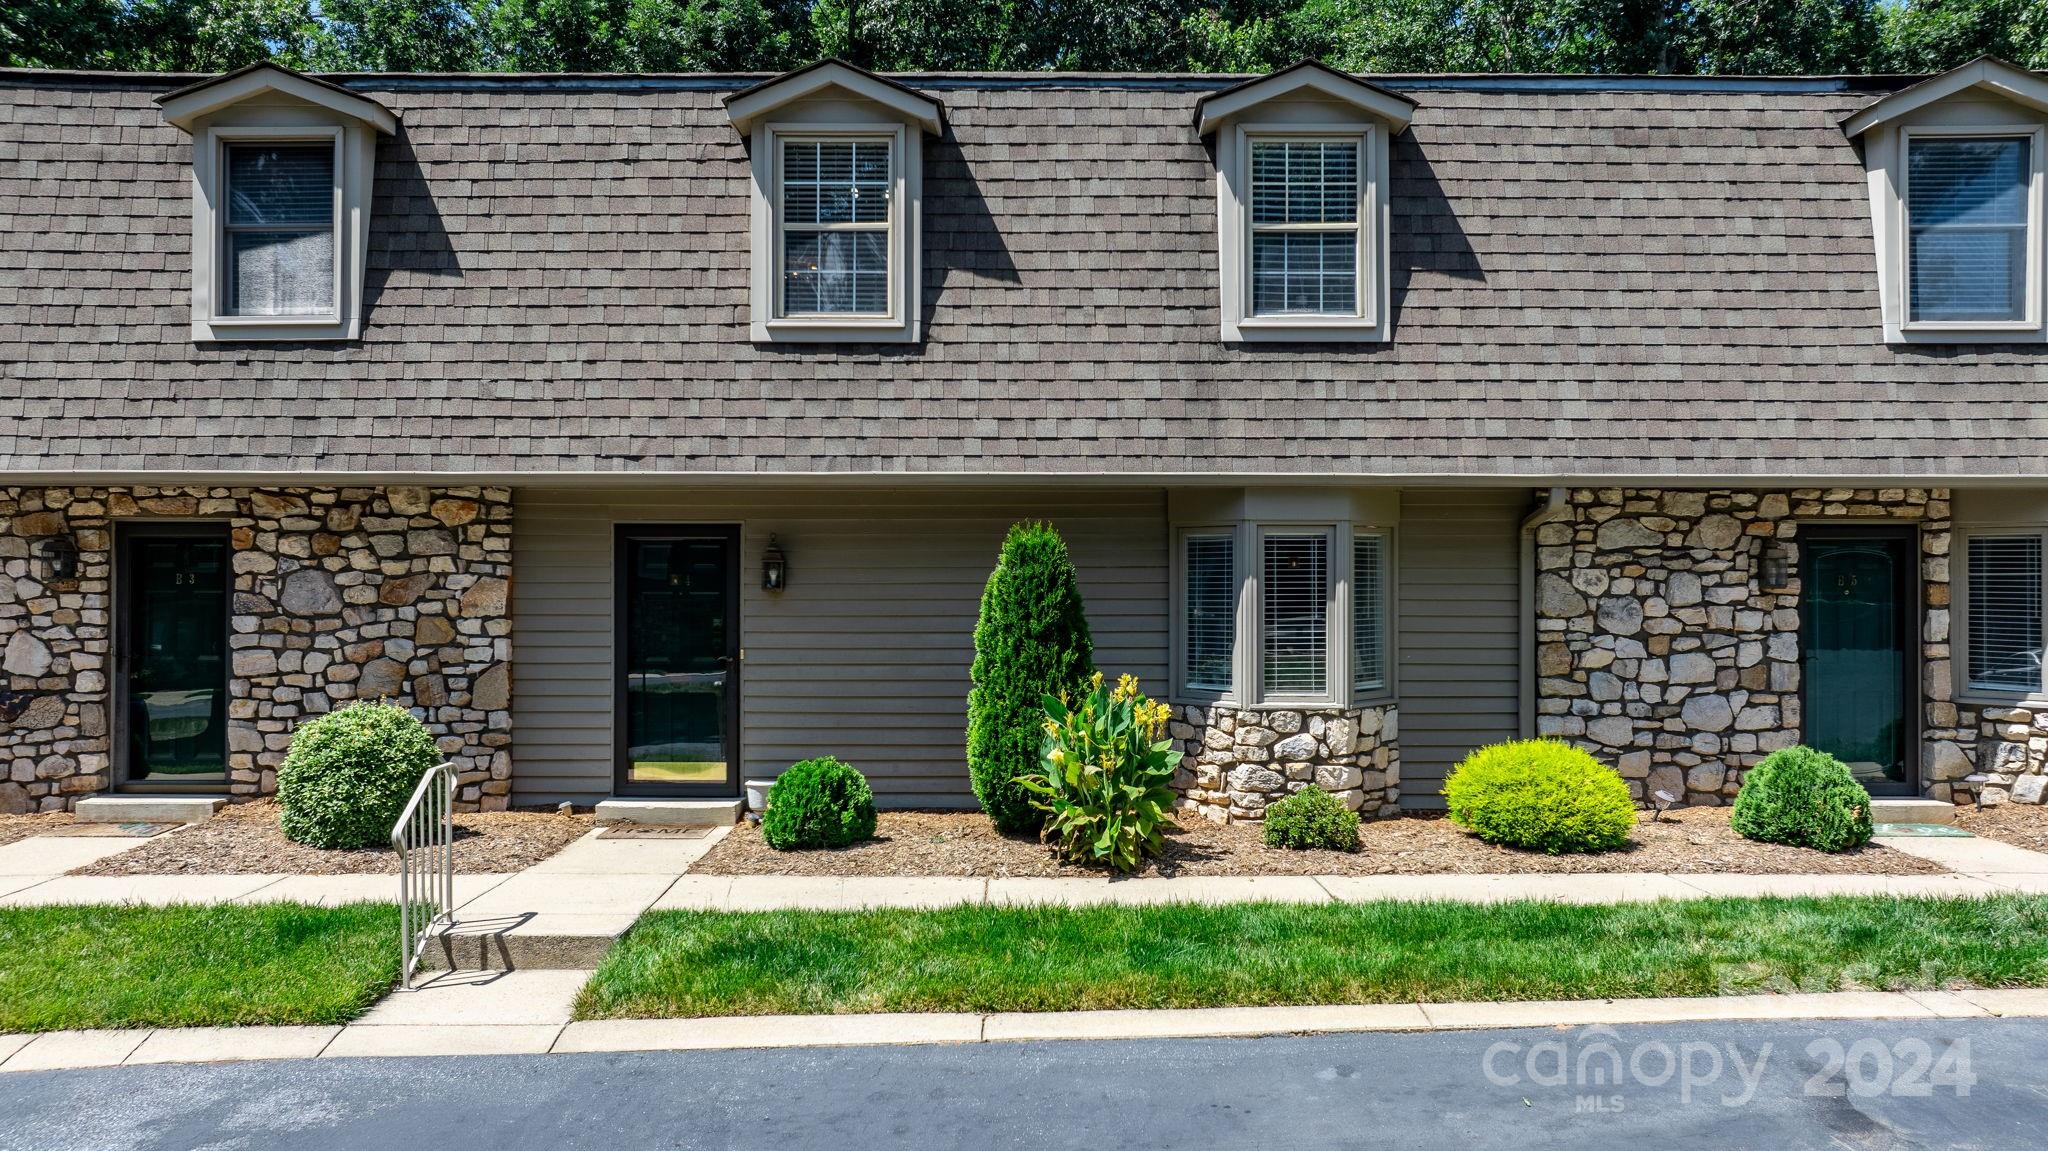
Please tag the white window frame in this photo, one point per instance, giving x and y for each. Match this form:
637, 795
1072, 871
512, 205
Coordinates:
1234, 241
219, 214
2037, 189
211, 320
769, 323
1959, 615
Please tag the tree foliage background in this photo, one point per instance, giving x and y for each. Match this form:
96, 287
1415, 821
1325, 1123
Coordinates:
1579, 36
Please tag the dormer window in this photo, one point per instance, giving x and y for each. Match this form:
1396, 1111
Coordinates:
1306, 242
1301, 204
278, 233
837, 180
1966, 227
281, 180
834, 225
1956, 204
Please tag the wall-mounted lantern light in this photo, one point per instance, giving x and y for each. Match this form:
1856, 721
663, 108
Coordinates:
1775, 569
59, 558
774, 568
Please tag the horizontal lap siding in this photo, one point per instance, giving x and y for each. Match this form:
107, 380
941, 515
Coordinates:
864, 656
1460, 648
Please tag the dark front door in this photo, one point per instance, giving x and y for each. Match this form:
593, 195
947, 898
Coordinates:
677, 648
171, 644
1859, 678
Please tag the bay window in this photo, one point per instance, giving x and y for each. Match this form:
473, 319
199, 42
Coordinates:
1282, 614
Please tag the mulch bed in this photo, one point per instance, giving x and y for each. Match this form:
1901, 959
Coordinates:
18, 827
2020, 824
1694, 841
243, 839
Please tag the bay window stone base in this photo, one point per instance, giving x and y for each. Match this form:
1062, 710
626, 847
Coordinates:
1660, 650
1239, 760
1997, 754
397, 593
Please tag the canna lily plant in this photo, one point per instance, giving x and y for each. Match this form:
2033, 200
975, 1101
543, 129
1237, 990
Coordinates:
1105, 775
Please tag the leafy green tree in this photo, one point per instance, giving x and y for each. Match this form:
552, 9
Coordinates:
59, 34
718, 35
401, 36
1932, 35
558, 35
1032, 641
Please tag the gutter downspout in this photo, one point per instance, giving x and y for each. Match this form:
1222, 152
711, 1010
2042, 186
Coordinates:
1553, 508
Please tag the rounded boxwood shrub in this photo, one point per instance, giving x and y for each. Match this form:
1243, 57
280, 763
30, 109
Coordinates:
349, 773
1805, 798
818, 803
1031, 641
1540, 794
1312, 818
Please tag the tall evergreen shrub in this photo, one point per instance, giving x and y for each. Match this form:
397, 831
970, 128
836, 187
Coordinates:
1031, 641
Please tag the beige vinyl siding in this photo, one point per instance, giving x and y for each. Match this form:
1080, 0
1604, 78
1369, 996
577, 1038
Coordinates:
865, 656
1459, 647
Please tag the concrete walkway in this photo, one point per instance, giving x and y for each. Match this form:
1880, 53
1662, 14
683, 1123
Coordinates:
528, 1013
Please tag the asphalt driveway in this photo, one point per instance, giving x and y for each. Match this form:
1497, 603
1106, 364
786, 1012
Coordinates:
1973, 1083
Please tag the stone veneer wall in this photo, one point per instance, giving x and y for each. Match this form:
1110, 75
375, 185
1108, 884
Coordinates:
1658, 651
1239, 760
339, 594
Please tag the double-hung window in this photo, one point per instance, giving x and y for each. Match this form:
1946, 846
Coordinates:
833, 226
1968, 209
1305, 234
279, 230
1294, 615
2003, 621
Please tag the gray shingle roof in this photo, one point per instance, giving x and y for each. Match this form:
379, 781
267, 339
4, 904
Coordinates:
1588, 281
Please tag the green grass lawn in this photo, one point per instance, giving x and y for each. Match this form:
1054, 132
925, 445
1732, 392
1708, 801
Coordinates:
65, 967
980, 958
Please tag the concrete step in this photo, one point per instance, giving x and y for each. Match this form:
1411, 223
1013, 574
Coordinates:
1912, 811
672, 812
468, 948
148, 808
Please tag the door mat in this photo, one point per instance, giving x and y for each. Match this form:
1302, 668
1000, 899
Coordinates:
1921, 831
651, 831
115, 830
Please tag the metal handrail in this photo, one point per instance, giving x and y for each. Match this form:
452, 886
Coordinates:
424, 838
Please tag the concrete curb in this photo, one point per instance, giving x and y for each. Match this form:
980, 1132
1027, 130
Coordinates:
63, 1050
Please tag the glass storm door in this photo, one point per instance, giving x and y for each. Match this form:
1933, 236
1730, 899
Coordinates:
1858, 673
677, 617
173, 652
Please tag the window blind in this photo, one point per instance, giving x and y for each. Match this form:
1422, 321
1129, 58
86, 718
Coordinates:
1294, 633
2005, 613
835, 221
1304, 227
1368, 613
1211, 605
1966, 210
279, 229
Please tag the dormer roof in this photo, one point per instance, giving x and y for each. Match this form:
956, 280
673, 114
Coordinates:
749, 105
1217, 108
2009, 81
186, 105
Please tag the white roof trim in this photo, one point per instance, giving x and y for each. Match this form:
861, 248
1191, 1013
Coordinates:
1216, 110
2013, 83
748, 107
186, 105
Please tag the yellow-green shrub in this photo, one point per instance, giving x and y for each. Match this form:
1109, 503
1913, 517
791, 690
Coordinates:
1540, 794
